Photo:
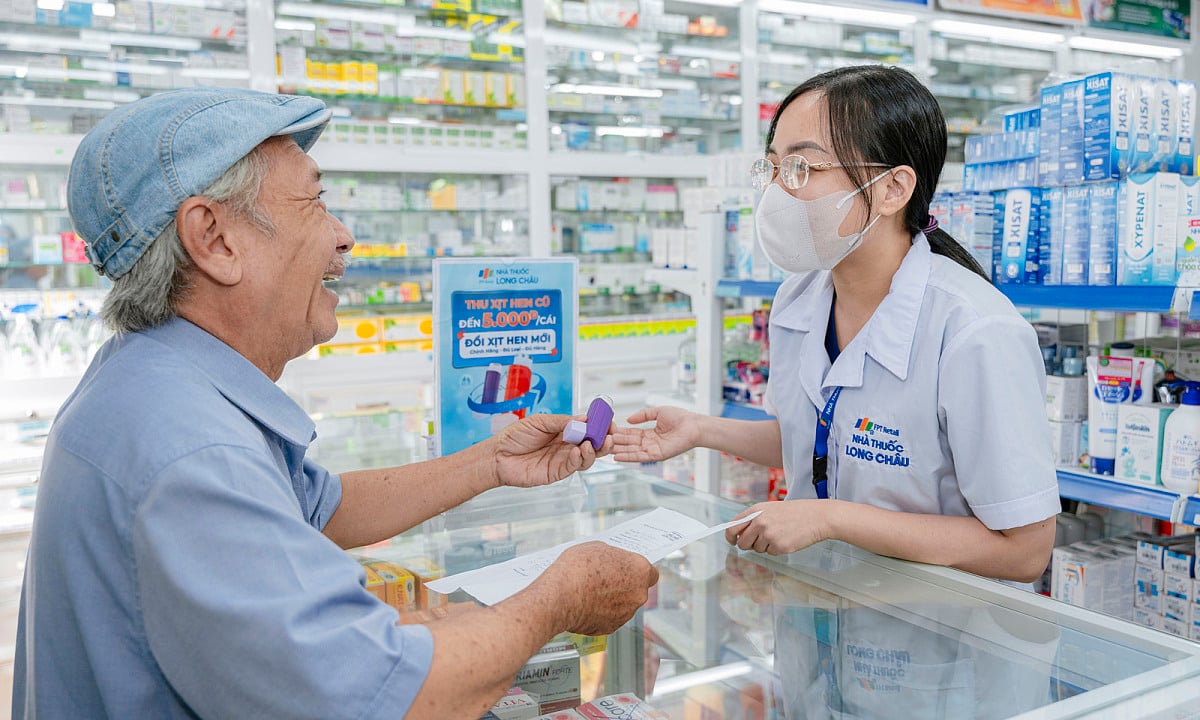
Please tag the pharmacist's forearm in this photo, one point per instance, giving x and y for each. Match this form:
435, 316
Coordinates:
965, 543
754, 440
378, 504
477, 654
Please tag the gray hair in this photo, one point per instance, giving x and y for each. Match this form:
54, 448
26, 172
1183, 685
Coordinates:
150, 293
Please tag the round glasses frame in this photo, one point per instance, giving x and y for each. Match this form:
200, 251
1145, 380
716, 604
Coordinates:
794, 170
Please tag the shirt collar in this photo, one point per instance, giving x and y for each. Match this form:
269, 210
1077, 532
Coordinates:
888, 337
237, 379
893, 327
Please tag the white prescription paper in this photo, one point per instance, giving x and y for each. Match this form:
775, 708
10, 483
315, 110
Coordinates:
653, 535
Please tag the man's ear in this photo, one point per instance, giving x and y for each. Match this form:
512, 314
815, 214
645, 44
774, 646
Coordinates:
897, 189
204, 227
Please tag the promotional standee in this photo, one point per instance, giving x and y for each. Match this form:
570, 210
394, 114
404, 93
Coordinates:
504, 344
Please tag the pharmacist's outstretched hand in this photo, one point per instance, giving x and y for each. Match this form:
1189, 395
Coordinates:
601, 586
531, 452
783, 527
674, 432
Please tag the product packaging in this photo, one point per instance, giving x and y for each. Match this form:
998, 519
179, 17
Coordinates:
1102, 234
1108, 119
1051, 244
1076, 224
1112, 381
1016, 223
1139, 442
1070, 134
1048, 144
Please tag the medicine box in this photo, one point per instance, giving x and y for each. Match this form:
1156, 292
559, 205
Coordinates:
1064, 442
1076, 229
1051, 122
1066, 397
1150, 551
553, 677
1139, 442
1143, 126
1051, 243
1016, 223
1148, 583
1102, 234
1071, 134
1185, 115
1175, 627
1108, 119
1180, 560
1187, 251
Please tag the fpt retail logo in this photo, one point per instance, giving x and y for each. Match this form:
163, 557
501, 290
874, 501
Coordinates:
866, 425
508, 275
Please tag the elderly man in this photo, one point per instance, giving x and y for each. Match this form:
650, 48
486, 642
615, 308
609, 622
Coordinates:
186, 559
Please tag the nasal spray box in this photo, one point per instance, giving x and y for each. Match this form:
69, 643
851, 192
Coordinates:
1185, 115
1147, 220
1070, 134
1048, 147
972, 222
1166, 123
1102, 234
1016, 220
1108, 108
1050, 246
1077, 227
1143, 126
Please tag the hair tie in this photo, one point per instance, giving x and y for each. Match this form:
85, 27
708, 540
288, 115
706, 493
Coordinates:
933, 225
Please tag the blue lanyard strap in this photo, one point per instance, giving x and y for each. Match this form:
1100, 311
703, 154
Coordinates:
820, 463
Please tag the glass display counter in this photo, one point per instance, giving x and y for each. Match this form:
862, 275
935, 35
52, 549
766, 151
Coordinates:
830, 631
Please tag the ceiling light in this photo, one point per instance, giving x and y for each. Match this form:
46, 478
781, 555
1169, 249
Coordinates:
554, 37
632, 132
135, 40
997, 33
610, 90
852, 16
295, 9
704, 52
1124, 48
296, 25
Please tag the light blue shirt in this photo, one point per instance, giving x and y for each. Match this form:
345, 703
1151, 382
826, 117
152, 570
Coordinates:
177, 568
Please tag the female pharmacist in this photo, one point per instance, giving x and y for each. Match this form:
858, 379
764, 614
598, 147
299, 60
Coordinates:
909, 396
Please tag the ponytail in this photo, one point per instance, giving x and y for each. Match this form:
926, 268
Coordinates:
941, 243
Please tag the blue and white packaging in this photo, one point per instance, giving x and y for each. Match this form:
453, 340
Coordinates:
1185, 141
972, 224
1166, 227
1077, 228
1108, 108
1165, 125
1051, 119
1070, 134
1135, 224
1143, 126
1189, 195
1016, 219
1187, 252
1102, 234
1050, 246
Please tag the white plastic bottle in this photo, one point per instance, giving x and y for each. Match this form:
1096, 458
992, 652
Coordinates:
1181, 444
24, 355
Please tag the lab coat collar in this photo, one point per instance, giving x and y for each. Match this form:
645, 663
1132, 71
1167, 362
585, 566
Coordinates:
893, 328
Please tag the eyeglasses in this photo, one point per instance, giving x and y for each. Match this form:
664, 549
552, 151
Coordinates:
794, 171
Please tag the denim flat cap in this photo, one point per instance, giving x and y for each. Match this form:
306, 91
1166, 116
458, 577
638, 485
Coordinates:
132, 171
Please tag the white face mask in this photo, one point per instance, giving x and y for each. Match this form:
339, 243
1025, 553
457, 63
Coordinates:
802, 235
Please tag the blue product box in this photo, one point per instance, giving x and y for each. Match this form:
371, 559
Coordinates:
1070, 134
1143, 126
1108, 108
1051, 114
1165, 125
1189, 195
1050, 244
1016, 220
1077, 226
1185, 141
972, 225
1135, 227
1102, 235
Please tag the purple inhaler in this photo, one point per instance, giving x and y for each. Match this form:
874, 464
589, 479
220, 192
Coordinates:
599, 418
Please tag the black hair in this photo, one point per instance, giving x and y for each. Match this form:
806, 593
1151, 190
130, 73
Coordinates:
882, 114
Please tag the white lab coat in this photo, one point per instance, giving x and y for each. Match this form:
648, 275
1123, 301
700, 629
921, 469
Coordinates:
943, 407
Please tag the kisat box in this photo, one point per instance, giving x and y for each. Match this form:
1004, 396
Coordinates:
1051, 119
1016, 224
1144, 143
1076, 231
1050, 251
1185, 113
1102, 233
1107, 122
1070, 134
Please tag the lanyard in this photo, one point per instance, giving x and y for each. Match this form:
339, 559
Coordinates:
820, 463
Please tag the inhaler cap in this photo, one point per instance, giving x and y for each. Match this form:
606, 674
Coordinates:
575, 432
